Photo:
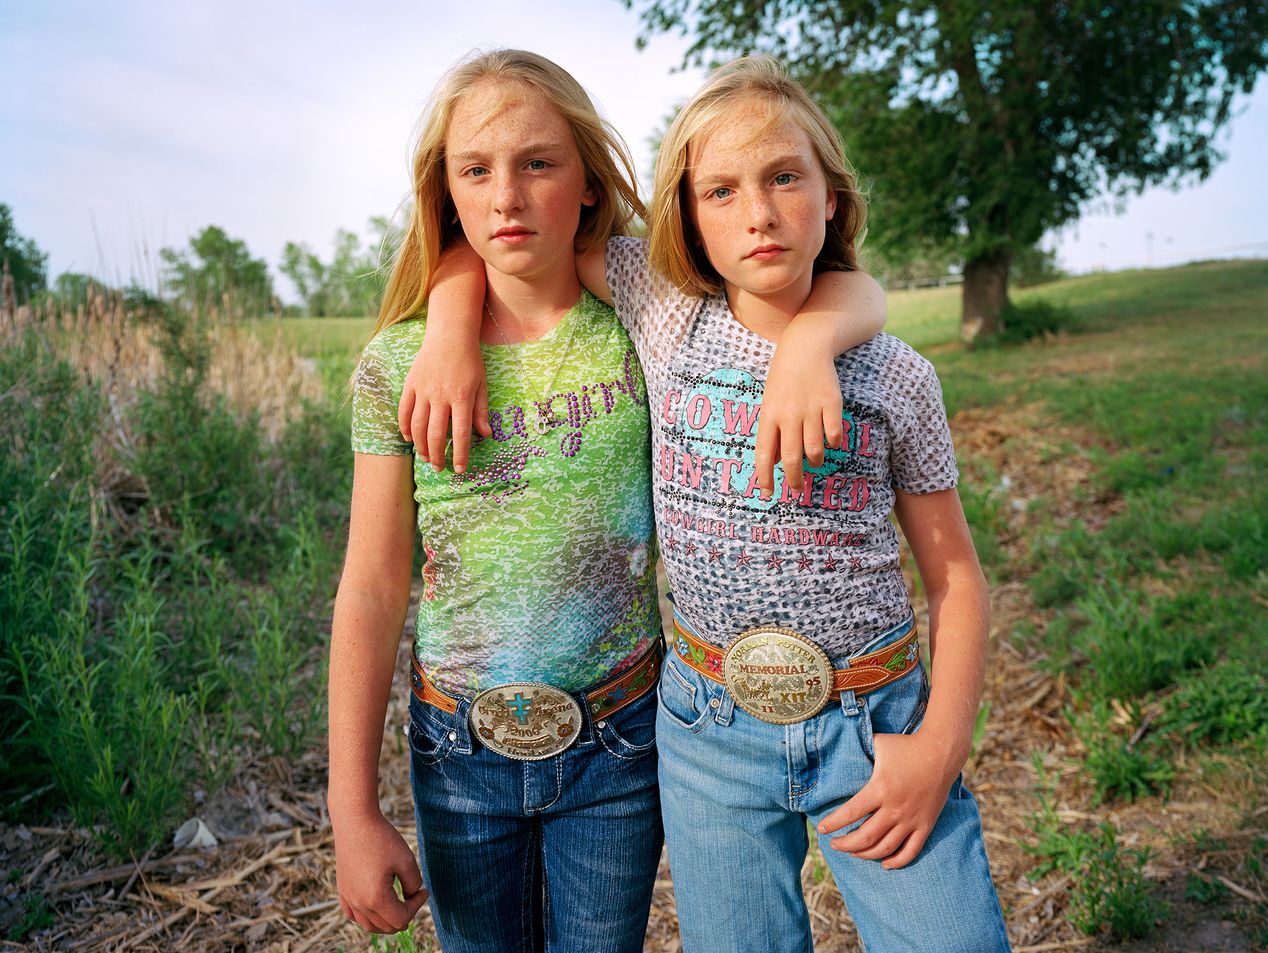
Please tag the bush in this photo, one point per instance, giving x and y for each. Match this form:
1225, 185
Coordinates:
160, 590
1035, 319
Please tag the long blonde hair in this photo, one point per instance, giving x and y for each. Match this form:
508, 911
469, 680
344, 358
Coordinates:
433, 220
674, 247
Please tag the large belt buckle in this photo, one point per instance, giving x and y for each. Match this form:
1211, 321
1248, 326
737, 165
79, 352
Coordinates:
777, 675
526, 721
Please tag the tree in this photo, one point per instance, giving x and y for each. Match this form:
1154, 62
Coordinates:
26, 263
989, 123
72, 289
217, 273
352, 284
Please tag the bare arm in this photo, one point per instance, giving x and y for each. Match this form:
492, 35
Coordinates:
913, 773
592, 270
370, 612
446, 384
447, 379
801, 408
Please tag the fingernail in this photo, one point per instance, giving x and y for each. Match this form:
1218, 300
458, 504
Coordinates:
458, 468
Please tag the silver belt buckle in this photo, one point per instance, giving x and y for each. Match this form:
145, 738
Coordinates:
525, 721
777, 675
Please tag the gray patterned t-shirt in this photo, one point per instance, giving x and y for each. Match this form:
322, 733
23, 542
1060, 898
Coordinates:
540, 559
824, 562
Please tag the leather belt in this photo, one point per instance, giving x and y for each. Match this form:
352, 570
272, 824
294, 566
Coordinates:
866, 672
602, 702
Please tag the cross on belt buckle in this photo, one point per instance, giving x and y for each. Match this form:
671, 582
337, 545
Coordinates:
525, 721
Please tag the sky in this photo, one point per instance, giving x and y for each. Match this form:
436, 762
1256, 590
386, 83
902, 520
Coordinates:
127, 127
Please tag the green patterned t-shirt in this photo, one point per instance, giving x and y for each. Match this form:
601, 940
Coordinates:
540, 558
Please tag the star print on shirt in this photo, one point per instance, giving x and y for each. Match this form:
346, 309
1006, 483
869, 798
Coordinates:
774, 562
856, 563
714, 554
830, 564
804, 562
670, 543
689, 549
743, 559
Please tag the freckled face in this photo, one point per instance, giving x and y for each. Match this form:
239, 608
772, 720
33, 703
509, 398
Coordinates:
759, 201
516, 178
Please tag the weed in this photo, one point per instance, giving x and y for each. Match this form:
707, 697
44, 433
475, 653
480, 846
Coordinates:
158, 587
1120, 769
1202, 889
1110, 890
1068, 565
1222, 704
36, 914
979, 725
407, 941
983, 504
1136, 643
818, 865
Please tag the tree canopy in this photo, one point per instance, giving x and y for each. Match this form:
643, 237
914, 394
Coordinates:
27, 264
984, 125
217, 273
352, 283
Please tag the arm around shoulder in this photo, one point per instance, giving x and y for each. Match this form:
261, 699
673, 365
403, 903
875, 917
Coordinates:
801, 408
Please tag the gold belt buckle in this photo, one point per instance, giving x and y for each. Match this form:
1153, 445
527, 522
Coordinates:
777, 675
525, 721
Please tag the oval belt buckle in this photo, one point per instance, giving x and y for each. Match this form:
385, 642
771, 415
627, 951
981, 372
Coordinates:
777, 675
526, 721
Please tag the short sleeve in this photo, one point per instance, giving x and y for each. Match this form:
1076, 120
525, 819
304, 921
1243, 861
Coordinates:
922, 458
654, 312
375, 394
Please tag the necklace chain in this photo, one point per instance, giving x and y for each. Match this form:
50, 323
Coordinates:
539, 425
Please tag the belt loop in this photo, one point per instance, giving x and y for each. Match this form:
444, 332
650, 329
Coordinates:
726, 706
849, 702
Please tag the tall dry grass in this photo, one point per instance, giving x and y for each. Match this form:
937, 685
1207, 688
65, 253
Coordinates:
111, 343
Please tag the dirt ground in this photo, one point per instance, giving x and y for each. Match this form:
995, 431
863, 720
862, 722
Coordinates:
268, 886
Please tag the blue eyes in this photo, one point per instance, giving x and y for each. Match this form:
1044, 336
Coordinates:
722, 192
480, 171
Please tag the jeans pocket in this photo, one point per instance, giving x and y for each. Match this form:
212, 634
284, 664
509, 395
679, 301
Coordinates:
631, 733
430, 740
894, 709
683, 695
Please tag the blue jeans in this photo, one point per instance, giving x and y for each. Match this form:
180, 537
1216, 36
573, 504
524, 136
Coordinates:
532, 856
736, 795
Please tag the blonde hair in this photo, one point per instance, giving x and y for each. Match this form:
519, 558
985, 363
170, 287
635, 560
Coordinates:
674, 247
433, 219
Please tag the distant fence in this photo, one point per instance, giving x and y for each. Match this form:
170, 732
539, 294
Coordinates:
1160, 259
1165, 257
941, 281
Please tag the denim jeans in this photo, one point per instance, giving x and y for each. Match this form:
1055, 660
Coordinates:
531, 856
736, 795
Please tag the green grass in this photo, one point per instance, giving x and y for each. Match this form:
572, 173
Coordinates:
1166, 388
159, 603
1157, 618
333, 343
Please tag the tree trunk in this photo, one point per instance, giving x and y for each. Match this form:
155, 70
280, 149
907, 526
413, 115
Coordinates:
985, 295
